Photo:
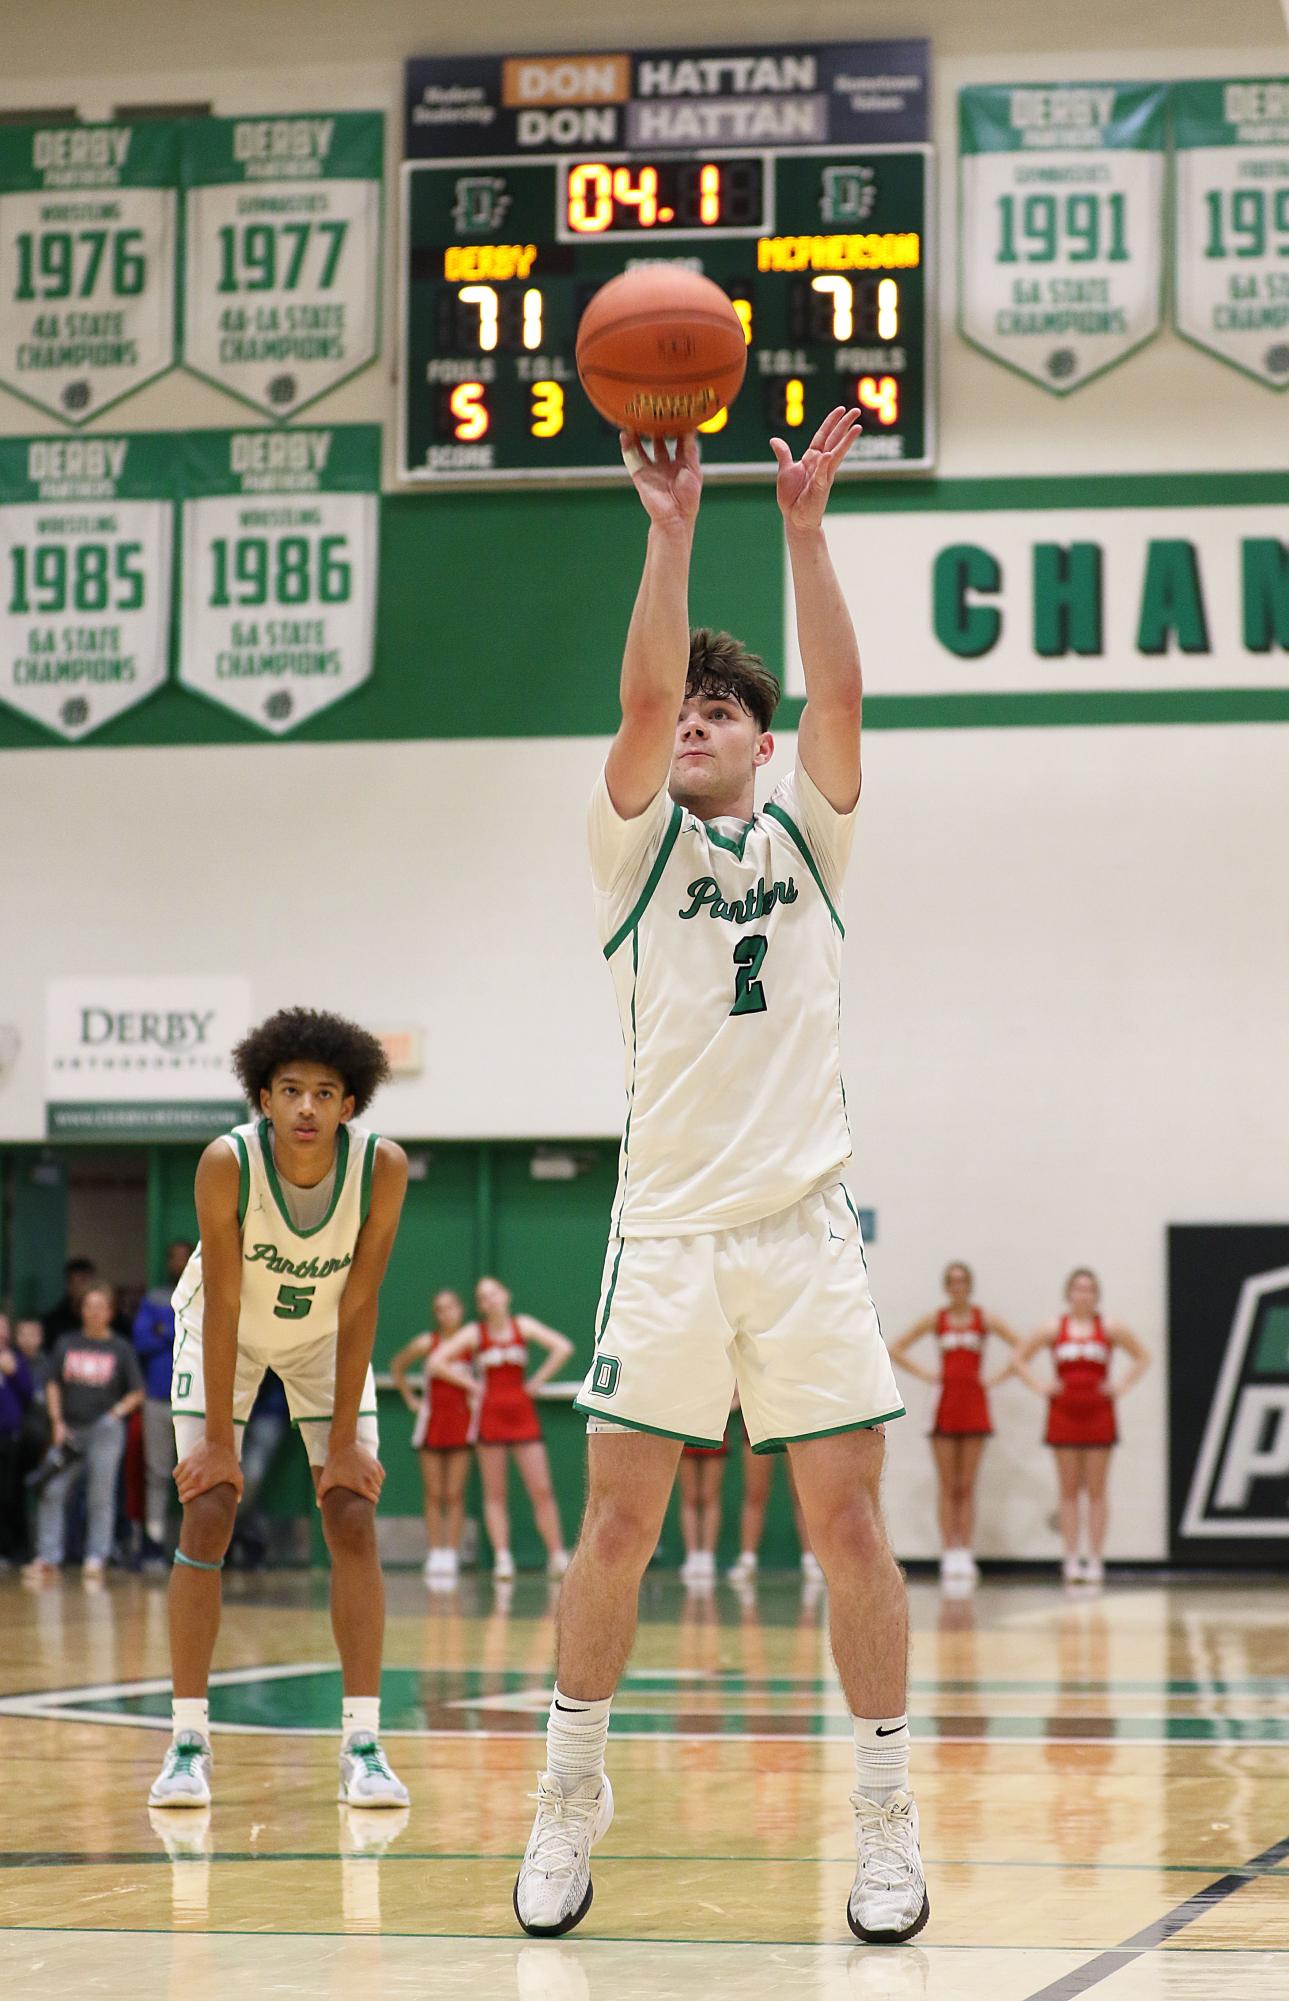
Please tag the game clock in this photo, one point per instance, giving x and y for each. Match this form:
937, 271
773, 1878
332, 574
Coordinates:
825, 254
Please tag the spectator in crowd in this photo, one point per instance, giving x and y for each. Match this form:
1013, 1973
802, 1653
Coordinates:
15, 1399
29, 1340
94, 1383
154, 1340
65, 1318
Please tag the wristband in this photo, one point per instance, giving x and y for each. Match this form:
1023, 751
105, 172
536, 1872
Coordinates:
191, 1563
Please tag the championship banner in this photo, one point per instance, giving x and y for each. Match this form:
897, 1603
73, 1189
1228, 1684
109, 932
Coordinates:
86, 528
280, 539
1228, 1377
1060, 225
282, 243
1231, 221
150, 1058
87, 262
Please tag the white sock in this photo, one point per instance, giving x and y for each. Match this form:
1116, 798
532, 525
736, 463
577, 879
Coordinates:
576, 1736
190, 1712
881, 1755
359, 1714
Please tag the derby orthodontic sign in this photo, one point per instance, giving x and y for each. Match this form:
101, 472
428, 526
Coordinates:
143, 1058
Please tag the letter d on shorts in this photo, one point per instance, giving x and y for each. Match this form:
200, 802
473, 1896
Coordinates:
604, 1377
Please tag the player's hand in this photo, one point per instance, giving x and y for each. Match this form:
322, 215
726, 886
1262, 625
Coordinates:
669, 488
804, 485
354, 1467
207, 1466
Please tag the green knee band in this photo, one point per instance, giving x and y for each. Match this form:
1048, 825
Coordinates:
191, 1563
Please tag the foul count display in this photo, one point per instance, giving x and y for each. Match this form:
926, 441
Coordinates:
824, 253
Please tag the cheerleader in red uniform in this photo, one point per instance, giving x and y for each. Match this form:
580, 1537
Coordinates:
1081, 1424
962, 1422
497, 1344
442, 1434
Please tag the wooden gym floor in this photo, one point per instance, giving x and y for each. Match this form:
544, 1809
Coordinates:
1103, 1782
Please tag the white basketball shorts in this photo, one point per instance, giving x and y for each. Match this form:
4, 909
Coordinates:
781, 1308
307, 1374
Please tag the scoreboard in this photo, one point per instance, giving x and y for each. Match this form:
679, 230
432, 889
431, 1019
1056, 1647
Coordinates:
825, 252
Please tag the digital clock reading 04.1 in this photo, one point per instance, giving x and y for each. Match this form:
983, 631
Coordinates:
663, 197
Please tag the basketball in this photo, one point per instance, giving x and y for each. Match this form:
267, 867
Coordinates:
660, 350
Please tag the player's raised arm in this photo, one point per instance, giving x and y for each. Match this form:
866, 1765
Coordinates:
828, 741
348, 1463
213, 1460
655, 662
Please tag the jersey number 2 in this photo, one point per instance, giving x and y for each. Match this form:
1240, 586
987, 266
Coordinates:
749, 957
294, 1301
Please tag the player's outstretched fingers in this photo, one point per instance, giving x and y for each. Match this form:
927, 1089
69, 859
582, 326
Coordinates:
633, 452
822, 436
843, 437
782, 453
687, 451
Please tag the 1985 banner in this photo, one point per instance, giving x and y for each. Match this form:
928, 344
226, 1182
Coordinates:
1231, 213
1061, 192
280, 536
87, 262
282, 225
85, 547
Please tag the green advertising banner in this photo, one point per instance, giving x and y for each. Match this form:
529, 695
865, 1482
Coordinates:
280, 539
282, 254
1061, 201
87, 263
1231, 221
85, 560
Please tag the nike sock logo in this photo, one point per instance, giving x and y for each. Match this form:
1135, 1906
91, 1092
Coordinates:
879, 1732
569, 1708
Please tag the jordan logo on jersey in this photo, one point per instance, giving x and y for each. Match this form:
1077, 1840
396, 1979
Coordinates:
706, 894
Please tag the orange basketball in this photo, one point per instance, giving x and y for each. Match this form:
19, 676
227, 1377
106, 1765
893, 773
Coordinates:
660, 350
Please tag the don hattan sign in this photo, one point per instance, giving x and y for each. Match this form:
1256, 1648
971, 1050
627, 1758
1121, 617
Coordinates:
139, 1058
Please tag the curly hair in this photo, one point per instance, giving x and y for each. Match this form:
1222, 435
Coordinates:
307, 1035
722, 668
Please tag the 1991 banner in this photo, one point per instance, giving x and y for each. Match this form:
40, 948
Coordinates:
1232, 221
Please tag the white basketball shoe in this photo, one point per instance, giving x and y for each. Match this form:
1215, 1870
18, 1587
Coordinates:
366, 1777
888, 1900
553, 1888
184, 1778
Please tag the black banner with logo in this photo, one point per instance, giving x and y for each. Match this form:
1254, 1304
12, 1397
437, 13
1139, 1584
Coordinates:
1228, 1393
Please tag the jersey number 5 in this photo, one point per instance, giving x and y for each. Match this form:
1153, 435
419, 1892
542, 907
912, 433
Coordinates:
749, 957
294, 1301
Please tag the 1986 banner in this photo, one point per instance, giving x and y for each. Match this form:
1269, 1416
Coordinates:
85, 545
1231, 216
282, 226
280, 535
87, 262
1061, 225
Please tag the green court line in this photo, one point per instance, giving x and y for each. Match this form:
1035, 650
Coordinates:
147, 1858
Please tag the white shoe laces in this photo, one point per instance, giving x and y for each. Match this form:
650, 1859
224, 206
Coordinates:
561, 1833
887, 1845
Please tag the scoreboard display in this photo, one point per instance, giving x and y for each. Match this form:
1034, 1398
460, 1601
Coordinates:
825, 252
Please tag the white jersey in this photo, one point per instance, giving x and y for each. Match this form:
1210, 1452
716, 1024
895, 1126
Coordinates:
724, 941
292, 1279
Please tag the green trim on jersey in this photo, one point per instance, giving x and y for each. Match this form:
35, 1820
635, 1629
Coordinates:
369, 1164
654, 878
270, 1173
608, 1298
296, 1422
176, 1412
830, 1431
654, 1430
631, 1095
244, 1179
723, 840
785, 820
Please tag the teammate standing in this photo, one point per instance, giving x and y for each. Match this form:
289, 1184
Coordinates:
298, 1212
962, 1422
1081, 1426
735, 1255
442, 1435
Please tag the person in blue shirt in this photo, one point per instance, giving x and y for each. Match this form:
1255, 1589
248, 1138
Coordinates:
154, 1340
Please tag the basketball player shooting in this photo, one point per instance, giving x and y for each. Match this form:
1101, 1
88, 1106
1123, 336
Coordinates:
735, 1254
